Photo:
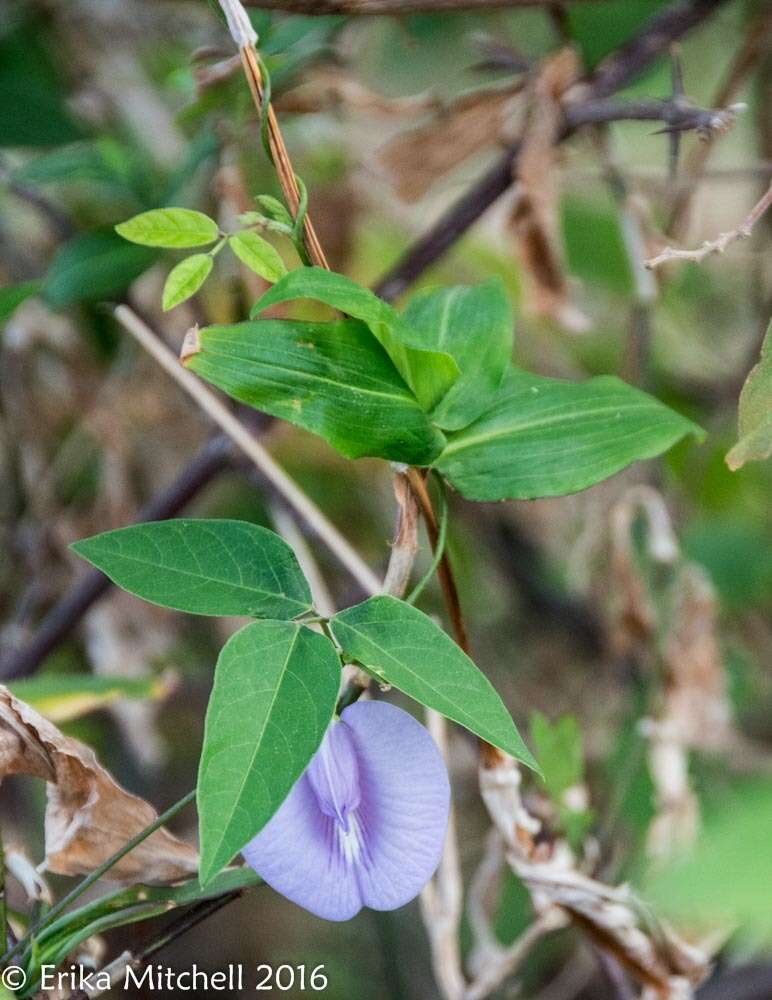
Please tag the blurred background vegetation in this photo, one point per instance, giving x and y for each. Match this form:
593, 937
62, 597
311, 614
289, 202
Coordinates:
108, 108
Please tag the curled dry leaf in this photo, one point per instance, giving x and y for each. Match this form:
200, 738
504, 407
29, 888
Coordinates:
325, 88
535, 216
88, 815
610, 915
416, 159
695, 712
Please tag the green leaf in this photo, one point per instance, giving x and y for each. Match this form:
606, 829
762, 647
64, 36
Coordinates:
258, 255
174, 228
594, 242
82, 161
123, 907
402, 646
274, 209
559, 749
205, 567
331, 378
600, 28
185, 279
545, 437
12, 296
62, 697
275, 691
754, 416
33, 111
474, 326
93, 266
720, 884
428, 373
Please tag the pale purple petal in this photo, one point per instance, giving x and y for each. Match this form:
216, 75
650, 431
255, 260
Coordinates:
405, 802
365, 824
334, 774
295, 854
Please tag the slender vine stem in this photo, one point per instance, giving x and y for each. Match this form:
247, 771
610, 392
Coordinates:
445, 570
98, 873
439, 547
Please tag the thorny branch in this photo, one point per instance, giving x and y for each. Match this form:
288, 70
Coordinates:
615, 72
721, 243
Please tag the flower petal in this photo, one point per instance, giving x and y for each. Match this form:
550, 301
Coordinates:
405, 801
334, 774
296, 854
365, 825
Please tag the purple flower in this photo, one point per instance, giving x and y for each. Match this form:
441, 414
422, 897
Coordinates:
365, 824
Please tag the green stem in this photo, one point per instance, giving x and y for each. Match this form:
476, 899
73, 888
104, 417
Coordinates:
439, 550
105, 867
218, 247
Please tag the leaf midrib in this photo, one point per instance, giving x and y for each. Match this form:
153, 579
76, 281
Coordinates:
202, 576
405, 399
258, 742
475, 727
467, 442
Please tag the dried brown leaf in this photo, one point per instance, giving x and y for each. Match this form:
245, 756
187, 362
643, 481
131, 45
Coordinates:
325, 88
611, 915
696, 688
535, 217
416, 159
88, 815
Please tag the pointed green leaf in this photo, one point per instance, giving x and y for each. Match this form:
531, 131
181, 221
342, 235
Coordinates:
185, 279
62, 697
331, 378
275, 690
403, 647
205, 567
33, 107
93, 266
754, 417
428, 373
559, 749
258, 255
474, 326
274, 209
125, 906
174, 228
545, 437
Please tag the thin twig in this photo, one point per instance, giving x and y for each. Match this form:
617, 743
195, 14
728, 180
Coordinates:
445, 571
721, 243
614, 73
98, 872
442, 897
754, 47
244, 440
214, 458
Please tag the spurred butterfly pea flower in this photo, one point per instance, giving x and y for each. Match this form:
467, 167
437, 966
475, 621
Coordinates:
365, 824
